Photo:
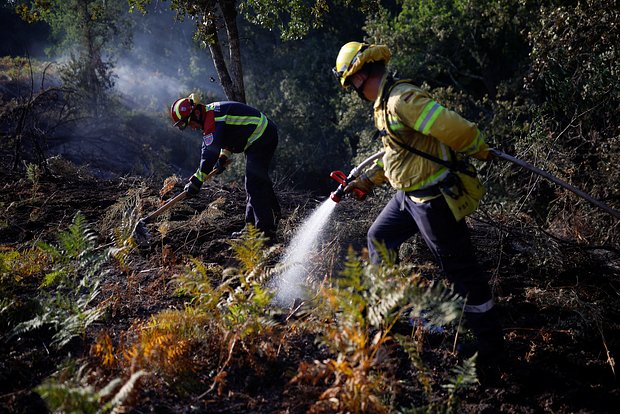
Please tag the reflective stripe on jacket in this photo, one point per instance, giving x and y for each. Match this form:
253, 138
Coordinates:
234, 128
237, 125
415, 119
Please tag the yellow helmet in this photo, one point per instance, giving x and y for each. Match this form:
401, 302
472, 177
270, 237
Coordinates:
354, 55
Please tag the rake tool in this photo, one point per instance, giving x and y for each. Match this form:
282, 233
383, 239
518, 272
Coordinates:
556, 180
141, 233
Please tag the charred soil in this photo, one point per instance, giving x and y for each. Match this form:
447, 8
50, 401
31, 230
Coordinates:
558, 300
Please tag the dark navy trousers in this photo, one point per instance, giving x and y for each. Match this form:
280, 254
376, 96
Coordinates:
448, 239
262, 208
450, 242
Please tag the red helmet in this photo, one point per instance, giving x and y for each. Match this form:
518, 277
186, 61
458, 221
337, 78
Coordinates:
180, 111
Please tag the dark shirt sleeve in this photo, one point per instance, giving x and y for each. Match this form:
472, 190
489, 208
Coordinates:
211, 147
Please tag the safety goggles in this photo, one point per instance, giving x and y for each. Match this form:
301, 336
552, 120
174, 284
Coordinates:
338, 75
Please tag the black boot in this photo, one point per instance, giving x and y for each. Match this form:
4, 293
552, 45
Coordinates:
489, 345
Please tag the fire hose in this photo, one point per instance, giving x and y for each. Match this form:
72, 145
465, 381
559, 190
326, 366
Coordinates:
556, 180
344, 180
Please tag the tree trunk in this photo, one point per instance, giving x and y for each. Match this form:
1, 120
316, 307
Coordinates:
215, 47
234, 47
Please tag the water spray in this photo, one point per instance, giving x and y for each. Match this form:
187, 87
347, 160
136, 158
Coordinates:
339, 176
299, 253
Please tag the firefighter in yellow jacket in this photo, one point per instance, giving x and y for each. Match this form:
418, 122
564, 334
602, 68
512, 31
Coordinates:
426, 146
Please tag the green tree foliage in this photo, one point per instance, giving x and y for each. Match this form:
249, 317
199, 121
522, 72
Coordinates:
294, 19
90, 32
209, 16
472, 45
574, 80
574, 58
296, 90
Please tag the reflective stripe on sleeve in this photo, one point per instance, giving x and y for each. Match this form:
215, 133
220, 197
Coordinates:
260, 128
428, 117
482, 308
395, 124
474, 147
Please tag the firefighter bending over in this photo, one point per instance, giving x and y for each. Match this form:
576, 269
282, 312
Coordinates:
233, 127
424, 161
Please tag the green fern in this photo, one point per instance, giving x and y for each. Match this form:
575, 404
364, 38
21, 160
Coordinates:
412, 348
75, 250
250, 249
464, 377
197, 284
33, 173
363, 307
68, 293
71, 391
234, 304
78, 239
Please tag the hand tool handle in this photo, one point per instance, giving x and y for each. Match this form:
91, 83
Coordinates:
161, 210
170, 203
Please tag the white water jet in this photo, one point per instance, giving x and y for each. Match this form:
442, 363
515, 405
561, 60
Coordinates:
290, 284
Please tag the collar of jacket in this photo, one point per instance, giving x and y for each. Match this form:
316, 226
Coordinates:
384, 89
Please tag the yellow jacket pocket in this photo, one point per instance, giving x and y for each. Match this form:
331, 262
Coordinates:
463, 192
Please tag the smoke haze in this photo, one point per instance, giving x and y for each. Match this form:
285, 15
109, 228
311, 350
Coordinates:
164, 62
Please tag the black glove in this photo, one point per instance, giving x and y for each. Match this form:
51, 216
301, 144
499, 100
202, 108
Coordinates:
193, 186
220, 164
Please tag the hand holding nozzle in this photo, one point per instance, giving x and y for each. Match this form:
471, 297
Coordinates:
359, 187
358, 184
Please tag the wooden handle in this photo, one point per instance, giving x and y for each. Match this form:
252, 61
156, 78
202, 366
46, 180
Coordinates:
180, 197
165, 207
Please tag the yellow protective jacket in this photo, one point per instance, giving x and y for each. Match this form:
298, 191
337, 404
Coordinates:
410, 115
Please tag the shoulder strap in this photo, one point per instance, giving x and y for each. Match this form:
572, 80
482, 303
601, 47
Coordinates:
387, 89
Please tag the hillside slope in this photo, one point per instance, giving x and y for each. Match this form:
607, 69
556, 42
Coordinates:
558, 301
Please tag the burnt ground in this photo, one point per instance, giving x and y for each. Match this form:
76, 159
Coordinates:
559, 301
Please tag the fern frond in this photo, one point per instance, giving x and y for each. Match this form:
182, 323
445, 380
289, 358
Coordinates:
250, 249
69, 391
464, 376
78, 238
72, 287
109, 388
437, 302
124, 393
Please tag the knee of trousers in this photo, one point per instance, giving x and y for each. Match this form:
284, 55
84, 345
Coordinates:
376, 235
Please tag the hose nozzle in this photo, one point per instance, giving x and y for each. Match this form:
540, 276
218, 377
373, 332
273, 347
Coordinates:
341, 178
337, 195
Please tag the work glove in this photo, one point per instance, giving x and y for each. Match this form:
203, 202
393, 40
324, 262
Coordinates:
193, 186
220, 164
361, 183
484, 154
